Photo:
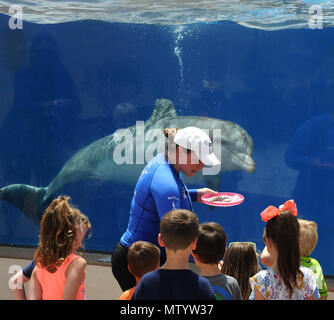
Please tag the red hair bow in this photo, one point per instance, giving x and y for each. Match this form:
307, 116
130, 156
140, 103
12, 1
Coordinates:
271, 211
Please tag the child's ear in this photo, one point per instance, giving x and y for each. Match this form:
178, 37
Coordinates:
193, 244
160, 241
269, 243
220, 265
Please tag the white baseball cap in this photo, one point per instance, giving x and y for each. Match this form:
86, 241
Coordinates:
199, 142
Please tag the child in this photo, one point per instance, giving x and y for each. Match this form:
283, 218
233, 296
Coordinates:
285, 279
210, 250
174, 280
60, 273
308, 239
143, 257
241, 262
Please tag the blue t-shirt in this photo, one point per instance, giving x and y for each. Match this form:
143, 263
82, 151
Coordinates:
164, 284
159, 189
29, 268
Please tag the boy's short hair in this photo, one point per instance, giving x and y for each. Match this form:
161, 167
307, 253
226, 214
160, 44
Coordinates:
308, 236
178, 229
143, 257
211, 243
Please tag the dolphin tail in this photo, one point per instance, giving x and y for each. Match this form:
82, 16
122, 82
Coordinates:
29, 199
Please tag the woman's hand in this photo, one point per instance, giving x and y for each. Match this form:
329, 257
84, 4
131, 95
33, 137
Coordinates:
202, 192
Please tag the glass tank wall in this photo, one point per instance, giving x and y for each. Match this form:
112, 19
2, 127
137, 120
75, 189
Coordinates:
66, 86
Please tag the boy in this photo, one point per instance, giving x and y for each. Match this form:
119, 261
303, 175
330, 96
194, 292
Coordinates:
308, 238
210, 250
174, 280
143, 257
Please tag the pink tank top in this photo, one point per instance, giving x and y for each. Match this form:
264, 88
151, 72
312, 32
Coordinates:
53, 284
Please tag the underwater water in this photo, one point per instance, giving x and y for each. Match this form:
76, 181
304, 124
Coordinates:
65, 84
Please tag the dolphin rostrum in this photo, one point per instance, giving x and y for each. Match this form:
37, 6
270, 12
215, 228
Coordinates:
97, 160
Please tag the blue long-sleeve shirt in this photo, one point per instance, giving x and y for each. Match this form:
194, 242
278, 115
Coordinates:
160, 189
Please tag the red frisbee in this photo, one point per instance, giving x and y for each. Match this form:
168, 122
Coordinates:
223, 199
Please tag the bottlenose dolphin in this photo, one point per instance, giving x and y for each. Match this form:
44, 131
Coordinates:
97, 161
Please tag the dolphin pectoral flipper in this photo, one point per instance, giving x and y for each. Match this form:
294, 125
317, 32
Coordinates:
213, 182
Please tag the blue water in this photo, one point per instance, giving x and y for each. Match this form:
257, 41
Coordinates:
269, 82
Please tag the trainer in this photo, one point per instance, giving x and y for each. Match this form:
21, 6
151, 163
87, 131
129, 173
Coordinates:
160, 189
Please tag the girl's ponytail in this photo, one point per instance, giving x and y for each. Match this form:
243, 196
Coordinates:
170, 145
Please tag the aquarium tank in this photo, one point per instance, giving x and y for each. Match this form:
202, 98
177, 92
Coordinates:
73, 73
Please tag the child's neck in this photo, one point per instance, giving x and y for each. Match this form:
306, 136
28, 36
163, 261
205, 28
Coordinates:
274, 267
137, 280
176, 260
208, 270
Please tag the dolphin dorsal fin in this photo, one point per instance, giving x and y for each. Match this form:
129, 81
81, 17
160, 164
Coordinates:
164, 108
